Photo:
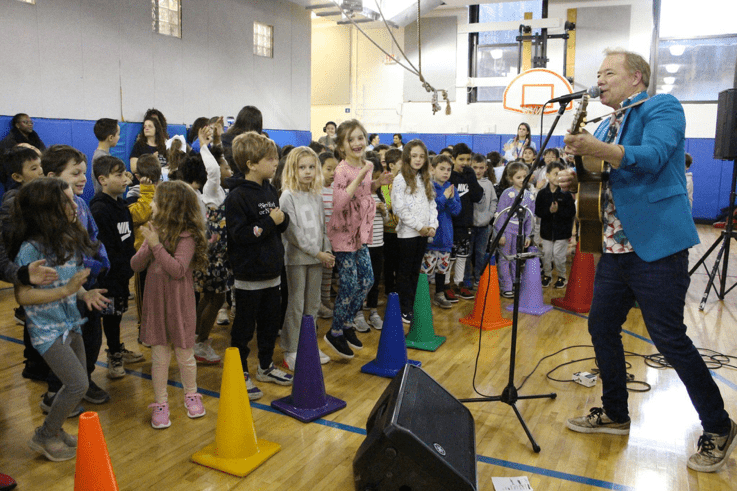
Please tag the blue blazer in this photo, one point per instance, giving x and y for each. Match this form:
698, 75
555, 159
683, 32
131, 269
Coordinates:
649, 188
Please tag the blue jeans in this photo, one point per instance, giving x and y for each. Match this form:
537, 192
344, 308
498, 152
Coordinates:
479, 243
660, 289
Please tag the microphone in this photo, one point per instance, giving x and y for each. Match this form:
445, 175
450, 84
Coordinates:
591, 92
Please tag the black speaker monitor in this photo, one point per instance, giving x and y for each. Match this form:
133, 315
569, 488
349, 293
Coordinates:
418, 438
725, 140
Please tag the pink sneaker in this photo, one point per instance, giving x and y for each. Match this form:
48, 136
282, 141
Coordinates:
160, 415
193, 403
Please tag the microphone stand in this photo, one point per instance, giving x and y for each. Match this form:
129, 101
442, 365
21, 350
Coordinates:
510, 395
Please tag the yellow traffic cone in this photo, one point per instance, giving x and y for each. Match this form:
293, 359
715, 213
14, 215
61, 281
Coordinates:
236, 450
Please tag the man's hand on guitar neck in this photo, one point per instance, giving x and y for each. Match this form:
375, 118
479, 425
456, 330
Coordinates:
585, 144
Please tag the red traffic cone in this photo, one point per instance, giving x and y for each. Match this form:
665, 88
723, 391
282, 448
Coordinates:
580, 289
486, 307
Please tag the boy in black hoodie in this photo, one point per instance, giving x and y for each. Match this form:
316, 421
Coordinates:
470, 191
114, 220
255, 224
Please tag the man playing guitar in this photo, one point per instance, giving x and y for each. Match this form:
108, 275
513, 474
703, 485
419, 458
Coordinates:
647, 231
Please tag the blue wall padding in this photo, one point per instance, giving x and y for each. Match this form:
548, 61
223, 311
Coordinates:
712, 178
288, 137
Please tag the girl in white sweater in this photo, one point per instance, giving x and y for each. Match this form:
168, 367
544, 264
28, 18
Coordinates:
413, 200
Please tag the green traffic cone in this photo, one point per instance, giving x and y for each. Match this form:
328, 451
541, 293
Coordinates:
422, 333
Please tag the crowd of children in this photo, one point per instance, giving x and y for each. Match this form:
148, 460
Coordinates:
228, 221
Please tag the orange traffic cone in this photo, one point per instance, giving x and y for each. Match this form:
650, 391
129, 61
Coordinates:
486, 307
93, 472
236, 449
580, 289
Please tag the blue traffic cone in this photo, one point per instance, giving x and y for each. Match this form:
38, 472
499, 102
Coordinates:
308, 401
392, 354
531, 289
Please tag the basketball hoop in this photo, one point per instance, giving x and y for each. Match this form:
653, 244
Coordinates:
533, 109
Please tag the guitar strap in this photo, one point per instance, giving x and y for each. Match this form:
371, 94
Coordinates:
620, 110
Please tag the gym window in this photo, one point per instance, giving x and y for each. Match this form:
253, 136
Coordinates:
166, 17
263, 40
496, 53
696, 53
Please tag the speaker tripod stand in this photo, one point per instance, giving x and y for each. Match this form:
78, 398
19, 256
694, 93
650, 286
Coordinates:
725, 240
510, 395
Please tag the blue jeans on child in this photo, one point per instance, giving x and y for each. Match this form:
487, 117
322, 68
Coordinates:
659, 287
479, 243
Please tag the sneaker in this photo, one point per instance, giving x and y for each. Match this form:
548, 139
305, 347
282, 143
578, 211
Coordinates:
324, 312
508, 294
375, 320
115, 367
254, 392
222, 319
53, 447
20, 315
339, 345
560, 283
451, 296
352, 339
32, 372
440, 301
713, 450
546, 281
193, 403
69, 440
290, 360
323, 357
47, 399
406, 318
7, 483
130, 356
159, 415
95, 394
204, 353
360, 324
598, 422
273, 375
465, 293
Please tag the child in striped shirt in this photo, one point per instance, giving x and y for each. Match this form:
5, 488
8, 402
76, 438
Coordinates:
328, 163
376, 251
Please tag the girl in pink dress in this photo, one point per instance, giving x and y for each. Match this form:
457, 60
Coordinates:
174, 246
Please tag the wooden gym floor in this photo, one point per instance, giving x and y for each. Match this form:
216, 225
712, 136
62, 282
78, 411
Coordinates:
318, 456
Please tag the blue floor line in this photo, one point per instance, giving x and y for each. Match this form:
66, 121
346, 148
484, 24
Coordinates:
360, 431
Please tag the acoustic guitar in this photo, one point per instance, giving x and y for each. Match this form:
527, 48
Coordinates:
591, 180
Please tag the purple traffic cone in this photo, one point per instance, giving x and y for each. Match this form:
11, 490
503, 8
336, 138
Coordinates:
308, 401
531, 289
392, 354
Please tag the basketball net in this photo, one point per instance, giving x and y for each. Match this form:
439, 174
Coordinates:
533, 109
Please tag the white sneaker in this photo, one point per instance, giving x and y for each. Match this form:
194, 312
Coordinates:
290, 360
360, 323
323, 357
324, 312
204, 353
375, 320
223, 318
